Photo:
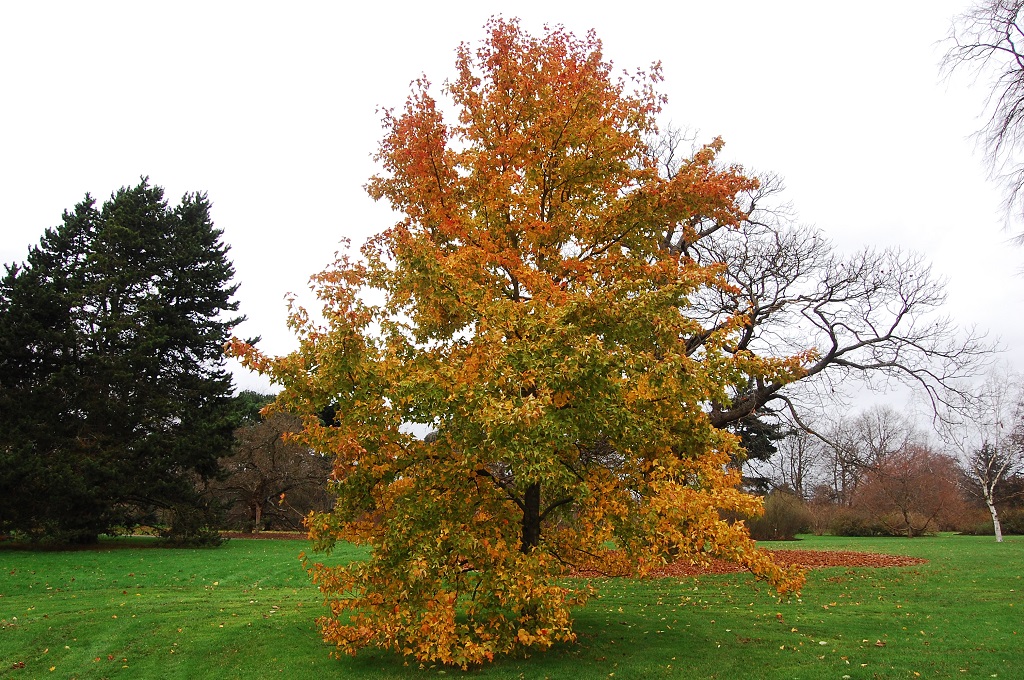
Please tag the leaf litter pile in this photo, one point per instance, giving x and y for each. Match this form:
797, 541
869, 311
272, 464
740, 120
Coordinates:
809, 559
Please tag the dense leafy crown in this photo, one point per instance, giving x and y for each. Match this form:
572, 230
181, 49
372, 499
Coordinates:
114, 391
534, 319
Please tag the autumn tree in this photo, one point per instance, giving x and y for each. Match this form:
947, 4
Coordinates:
911, 490
113, 390
839, 452
828, 462
533, 318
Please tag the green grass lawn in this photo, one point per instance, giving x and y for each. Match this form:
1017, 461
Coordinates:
246, 610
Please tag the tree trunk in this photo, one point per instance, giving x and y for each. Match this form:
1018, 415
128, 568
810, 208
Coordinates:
995, 520
259, 517
531, 518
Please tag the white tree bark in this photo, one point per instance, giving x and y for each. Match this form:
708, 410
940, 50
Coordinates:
989, 436
995, 519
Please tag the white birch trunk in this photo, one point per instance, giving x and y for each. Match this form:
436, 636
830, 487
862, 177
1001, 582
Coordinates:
995, 518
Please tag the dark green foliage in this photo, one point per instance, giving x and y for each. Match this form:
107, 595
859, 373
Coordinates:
758, 435
757, 439
114, 396
246, 406
193, 525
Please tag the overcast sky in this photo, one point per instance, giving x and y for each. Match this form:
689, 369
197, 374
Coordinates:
272, 110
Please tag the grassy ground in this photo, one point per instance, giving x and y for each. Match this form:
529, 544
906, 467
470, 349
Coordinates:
246, 610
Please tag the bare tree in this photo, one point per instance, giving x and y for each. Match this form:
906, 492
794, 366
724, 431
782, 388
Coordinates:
882, 432
873, 317
797, 463
269, 480
988, 39
989, 438
842, 474
839, 454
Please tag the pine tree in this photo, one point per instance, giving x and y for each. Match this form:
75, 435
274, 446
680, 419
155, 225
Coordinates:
112, 384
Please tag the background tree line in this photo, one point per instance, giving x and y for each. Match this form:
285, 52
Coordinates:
117, 410
115, 400
878, 472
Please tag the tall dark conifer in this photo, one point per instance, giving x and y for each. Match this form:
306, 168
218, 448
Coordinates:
114, 399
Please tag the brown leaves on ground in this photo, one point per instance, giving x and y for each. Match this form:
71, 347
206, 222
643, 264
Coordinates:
808, 559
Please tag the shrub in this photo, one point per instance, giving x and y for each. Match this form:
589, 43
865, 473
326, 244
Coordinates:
1011, 522
822, 514
850, 522
909, 524
785, 515
192, 527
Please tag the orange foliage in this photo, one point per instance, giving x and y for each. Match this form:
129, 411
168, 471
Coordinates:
533, 319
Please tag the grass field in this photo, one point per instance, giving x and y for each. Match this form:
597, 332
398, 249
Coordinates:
246, 610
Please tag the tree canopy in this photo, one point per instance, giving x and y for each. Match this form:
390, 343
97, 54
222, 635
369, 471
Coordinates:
534, 314
112, 384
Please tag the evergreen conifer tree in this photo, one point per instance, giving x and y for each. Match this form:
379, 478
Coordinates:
113, 393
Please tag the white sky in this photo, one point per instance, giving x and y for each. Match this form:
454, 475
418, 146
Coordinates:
271, 109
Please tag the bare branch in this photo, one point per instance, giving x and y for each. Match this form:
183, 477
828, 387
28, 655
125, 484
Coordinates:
988, 39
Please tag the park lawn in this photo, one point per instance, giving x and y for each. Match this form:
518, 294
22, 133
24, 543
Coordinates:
247, 610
